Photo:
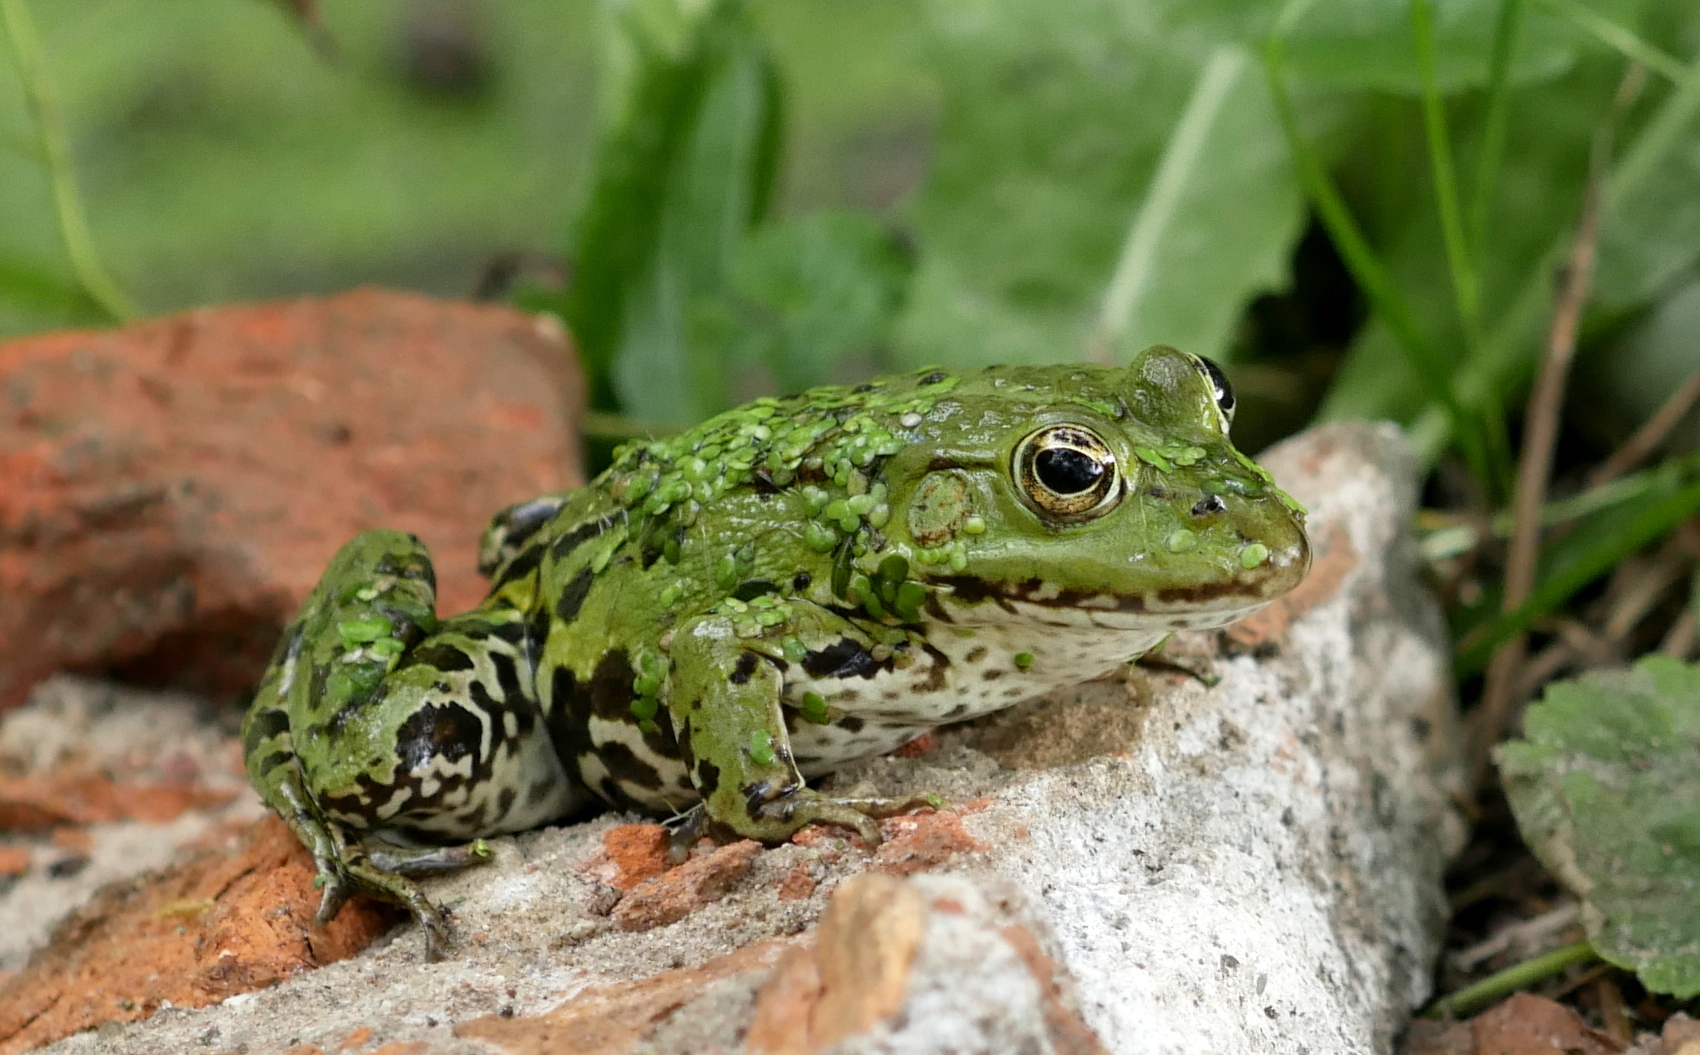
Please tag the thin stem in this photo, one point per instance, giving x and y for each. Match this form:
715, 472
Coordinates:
1540, 439
1367, 269
1648, 437
1517, 976
1621, 40
1450, 539
1641, 526
1492, 148
1458, 259
67, 205
1668, 127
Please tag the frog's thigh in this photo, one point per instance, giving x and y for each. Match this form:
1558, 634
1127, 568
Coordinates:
452, 747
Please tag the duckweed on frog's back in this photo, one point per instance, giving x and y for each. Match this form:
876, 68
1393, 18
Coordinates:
791, 585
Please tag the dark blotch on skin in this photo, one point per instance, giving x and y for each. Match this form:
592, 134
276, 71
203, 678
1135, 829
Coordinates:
758, 795
580, 535
1204, 592
450, 732
708, 777
573, 595
624, 765
568, 719
844, 658
521, 566
273, 760
802, 582
750, 589
439, 655
264, 726
610, 687
851, 724
745, 666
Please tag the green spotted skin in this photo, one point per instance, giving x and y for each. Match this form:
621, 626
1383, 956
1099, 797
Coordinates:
791, 585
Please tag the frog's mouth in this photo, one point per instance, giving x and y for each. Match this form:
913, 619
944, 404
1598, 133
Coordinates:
970, 601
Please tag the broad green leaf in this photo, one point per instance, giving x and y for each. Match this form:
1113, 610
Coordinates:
54, 296
1606, 791
805, 295
684, 171
1216, 223
1078, 136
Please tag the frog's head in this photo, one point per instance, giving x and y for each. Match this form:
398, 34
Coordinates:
1077, 494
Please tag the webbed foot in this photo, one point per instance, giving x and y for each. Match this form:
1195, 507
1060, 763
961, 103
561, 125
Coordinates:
347, 868
860, 813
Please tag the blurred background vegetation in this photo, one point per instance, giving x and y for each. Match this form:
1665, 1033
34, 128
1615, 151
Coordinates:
1361, 208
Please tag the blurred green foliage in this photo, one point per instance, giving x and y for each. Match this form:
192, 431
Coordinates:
753, 194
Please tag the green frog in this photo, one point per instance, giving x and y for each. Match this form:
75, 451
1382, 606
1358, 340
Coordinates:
724, 614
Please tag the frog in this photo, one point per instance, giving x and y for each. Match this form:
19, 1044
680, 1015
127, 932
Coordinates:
724, 615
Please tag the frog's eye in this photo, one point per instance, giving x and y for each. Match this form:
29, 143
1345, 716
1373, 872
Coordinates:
1219, 387
1066, 473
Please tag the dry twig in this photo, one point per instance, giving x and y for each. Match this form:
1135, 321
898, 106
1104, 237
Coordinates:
1540, 436
1648, 437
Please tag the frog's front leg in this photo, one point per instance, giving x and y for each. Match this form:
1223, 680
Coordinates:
724, 695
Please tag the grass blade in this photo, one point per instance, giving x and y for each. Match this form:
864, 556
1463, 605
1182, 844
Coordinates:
1653, 522
1492, 147
1137, 263
1368, 270
43, 109
1445, 173
1473, 998
1614, 36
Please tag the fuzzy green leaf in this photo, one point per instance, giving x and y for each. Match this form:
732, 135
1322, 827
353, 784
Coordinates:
1088, 168
684, 171
805, 295
1606, 790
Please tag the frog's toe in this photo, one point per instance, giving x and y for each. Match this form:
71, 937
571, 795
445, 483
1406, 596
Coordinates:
876, 806
392, 886
683, 832
806, 807
334, 893
431, 860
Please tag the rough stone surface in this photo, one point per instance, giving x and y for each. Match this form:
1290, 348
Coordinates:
229, 920
83, 734
170, 491
1237, 848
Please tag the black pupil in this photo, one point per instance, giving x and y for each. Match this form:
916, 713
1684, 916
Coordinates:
1219, 381
1067, 471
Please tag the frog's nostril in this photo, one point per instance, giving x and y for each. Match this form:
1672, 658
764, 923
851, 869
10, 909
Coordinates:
1209, 505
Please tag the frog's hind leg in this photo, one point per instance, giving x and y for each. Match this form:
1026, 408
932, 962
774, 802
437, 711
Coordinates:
376, 721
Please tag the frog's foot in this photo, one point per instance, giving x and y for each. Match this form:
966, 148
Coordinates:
804, 806
349, 869
683, 832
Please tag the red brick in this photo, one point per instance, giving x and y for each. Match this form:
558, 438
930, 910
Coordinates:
171, 490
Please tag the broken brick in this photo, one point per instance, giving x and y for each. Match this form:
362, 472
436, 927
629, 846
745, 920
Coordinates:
226, 921
675, 894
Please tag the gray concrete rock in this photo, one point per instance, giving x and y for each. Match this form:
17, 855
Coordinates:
1238, 848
